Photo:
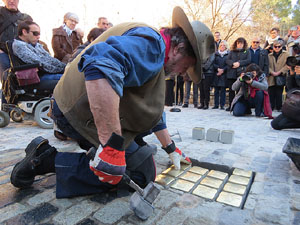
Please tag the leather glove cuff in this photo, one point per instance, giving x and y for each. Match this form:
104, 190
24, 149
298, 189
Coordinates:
170, 148
116, 142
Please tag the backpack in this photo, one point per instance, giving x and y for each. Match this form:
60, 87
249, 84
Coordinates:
291, 106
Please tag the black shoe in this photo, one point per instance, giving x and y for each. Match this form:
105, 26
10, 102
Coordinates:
205, 107
215, 107
201, 106
222, 108
228, 109
195, 105
38, 150
185, 105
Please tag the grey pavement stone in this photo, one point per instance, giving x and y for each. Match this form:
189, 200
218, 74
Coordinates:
45, 196
250, 202
257, 188
295, 202
63, 203
263, 160
12, 211
88, 221
157, 213
4, 179
296, 218
76, 213
174, 216
113, 211
235, 216
165, 199
277, 190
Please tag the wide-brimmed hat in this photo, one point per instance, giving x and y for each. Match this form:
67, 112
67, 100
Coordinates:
200, 37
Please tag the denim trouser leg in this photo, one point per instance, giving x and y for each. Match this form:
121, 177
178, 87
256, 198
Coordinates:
217, 96
222, 96
257, 102
195, 94
240, 108
187, 85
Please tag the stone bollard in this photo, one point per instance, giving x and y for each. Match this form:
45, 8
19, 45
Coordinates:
227, 136
198, 133
213, 135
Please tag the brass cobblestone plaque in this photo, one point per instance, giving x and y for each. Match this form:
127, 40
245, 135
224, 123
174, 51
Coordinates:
164, 179
193, 177
211, 182
205, 192
183, 185
184, 166
173, 172
197, 169
217, 174
239, 179
235, 188
230, 199
241, 172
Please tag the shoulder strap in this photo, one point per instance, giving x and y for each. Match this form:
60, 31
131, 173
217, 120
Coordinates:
10, 20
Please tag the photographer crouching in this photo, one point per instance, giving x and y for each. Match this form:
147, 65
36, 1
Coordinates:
290, 116
252, 89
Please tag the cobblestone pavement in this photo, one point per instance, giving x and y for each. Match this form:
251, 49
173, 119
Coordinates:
274, 197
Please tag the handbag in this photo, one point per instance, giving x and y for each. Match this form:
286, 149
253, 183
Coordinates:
280, 80
27, 76
291, 106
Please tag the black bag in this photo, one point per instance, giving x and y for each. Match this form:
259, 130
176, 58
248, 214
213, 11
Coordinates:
291, 106
280, 80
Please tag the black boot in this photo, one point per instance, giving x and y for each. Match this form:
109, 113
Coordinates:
39, 160
201, 106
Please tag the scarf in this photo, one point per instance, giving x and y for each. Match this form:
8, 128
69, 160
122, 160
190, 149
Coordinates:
167, 39
67, 29
271, 40
222, 53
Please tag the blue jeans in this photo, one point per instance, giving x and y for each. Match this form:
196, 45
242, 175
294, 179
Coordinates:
243, 106
220, 93
188, 92
4, 63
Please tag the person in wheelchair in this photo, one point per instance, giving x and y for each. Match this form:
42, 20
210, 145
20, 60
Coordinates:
28, 49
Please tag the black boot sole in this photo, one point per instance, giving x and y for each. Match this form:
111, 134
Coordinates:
21, 181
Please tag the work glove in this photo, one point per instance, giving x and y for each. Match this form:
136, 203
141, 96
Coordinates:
176, 155
109, 162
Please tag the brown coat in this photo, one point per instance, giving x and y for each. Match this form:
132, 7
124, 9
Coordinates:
274, 66
64, 45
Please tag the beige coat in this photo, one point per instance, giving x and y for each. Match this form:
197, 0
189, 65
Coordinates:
274, 66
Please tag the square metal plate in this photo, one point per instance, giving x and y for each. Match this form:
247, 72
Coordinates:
217, 174
193, 177
198, 170
235, 188
239, 179
211, 182
230, 199
164, 179
184, 166
183, 185
241, 172
171, 171
205, 192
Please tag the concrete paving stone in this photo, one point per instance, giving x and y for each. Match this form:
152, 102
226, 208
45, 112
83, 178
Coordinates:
260, 177
165, 199
132, 219
88, 221
250, 202
263, 160
259, 167
296, 186
277, 190
277, 176
174, 216
280, 157
227, 136
5, 179
72, 215
236, 150
2, 172
235, 216
296, 218
227, 162
113, 211
12, 211
63, 203
104, 197
8, 169
257, 188
213, 134
45, 196
8, 163
35, 215
198, 133
295, 202
189, 201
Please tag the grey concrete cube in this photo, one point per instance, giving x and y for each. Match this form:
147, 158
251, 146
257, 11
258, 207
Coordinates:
198, 133
212, 134
227, 136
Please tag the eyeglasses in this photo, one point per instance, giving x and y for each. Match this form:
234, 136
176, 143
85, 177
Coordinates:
35, 33
277, 46
255, 42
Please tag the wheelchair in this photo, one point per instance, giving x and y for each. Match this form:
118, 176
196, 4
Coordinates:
20, 101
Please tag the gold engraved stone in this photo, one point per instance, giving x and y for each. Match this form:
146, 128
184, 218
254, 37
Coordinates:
183, 185
241, 172
211, 182
198, 170
184, 166
164, 179
173, 172
235, 188
239, 179
193, 177
205, 192
230, 199
217, 174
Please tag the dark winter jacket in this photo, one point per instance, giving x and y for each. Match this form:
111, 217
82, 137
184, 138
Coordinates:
292, 81
220, 62
263, 62
64, 45
243, 57
208, 66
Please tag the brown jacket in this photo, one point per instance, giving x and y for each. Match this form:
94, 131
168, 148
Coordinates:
64, 45
274, 66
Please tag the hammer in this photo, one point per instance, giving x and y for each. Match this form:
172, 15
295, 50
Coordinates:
141, 202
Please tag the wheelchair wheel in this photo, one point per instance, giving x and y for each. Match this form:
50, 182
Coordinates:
16, 115
41, 114
4, 119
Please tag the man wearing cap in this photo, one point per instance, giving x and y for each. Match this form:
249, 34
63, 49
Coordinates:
112, 92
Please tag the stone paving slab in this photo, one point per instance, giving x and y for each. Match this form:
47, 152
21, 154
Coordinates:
274, 196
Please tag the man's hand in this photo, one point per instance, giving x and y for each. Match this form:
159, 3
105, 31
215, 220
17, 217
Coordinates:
109, 163
176, 155
235, 65
220, 72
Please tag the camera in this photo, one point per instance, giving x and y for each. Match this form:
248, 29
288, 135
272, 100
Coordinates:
295, 46
247, 76
293, 61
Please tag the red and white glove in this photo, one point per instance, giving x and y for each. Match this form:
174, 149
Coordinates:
109, 162
176, 155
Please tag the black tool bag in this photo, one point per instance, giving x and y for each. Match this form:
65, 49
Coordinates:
291, 106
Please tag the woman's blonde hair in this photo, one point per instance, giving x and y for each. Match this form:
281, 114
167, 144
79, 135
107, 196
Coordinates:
72, 16
225, 43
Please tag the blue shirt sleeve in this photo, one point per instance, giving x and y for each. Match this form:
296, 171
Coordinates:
129, 60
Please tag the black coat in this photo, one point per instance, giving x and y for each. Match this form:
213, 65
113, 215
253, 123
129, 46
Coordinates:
220, 62
263, 60
243, 57
208, 66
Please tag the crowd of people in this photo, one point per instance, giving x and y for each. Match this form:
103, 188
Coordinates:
111, 95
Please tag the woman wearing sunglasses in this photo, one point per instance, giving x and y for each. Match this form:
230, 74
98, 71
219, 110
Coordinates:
277, 72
